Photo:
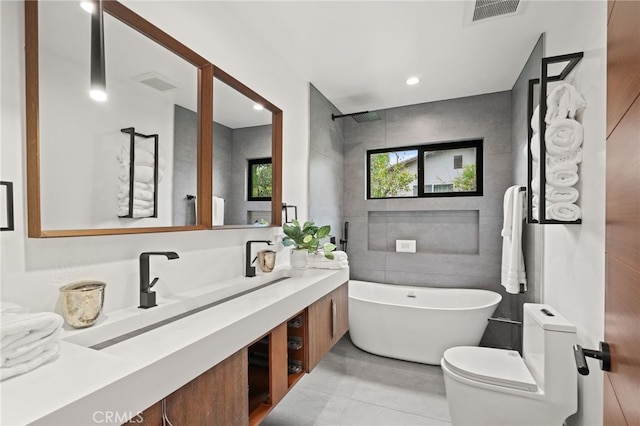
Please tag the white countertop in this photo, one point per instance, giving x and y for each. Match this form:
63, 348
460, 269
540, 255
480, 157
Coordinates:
85, 386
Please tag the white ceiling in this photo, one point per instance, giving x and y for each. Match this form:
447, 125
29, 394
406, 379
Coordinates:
359, 53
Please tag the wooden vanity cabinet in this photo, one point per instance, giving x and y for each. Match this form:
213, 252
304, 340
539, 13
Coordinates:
216, 397
244, 388
328, 322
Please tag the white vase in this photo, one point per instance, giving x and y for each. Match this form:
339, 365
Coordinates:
298, 259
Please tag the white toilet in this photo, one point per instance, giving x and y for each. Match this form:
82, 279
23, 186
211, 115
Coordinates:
487, 386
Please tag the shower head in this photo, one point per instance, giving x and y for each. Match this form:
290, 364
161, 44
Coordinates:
359, 117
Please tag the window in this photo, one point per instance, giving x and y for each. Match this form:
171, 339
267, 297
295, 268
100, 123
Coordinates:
457, 162
430, 170
259, 179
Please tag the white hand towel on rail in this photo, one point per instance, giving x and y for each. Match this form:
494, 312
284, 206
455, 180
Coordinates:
218, 211
564, 101
563, 136
564, 212
512, 271
562, 178
561, 195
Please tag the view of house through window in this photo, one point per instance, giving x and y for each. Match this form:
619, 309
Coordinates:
443, 169
259, 179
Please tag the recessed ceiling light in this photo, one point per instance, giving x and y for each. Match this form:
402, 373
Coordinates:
412, 81
88, 6
258, 107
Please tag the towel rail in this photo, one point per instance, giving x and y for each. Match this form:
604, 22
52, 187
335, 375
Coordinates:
131, 131
572, 59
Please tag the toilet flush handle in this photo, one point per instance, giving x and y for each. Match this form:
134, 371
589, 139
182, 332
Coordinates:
604, 355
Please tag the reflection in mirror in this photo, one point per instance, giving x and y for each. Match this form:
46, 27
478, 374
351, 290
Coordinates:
242, 149
242, 133
83, 154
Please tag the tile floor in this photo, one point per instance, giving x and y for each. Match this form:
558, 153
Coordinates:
353, 387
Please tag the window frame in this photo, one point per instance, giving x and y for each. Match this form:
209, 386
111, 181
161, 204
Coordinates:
256, 162
422, 148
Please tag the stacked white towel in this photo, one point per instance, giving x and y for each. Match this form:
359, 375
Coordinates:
143, 185
563, 142
27, 340
564, 101
320, 261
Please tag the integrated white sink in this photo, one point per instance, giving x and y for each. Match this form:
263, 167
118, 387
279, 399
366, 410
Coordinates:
124, 324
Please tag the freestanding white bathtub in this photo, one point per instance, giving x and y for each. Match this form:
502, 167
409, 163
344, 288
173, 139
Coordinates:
417, 323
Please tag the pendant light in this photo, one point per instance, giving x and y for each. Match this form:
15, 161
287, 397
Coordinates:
98, 90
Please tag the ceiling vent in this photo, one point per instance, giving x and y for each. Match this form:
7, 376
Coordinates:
157, 81
485, 9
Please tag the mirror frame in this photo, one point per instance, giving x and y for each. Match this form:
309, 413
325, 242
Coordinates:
206, 72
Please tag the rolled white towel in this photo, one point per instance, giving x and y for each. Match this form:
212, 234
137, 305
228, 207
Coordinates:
143, 185
562, 178
138, 213
143, 174
535, 147
142, 204
123, 174
534, 213
123, 192
535, 182
566, 159
144, 158
564, 101
337, 264
339, 255
564, 212
563, 136
535, 120
141, 194
49, 351
22, 329
123, 211
553, 167
561, 195
535, 200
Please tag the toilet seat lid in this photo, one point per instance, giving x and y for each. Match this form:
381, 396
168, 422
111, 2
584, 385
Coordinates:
498, 367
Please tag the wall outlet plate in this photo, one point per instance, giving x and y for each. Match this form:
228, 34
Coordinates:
406, 246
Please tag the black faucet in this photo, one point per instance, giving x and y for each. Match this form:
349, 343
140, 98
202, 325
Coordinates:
148, 297
250, 271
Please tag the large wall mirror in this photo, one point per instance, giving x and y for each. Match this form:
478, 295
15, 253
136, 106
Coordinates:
82, 179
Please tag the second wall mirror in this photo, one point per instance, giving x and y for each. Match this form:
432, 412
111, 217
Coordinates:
159, 94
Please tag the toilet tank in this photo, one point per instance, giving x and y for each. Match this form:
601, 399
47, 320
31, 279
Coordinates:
547, 348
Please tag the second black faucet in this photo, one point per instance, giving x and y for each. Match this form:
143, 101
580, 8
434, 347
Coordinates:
250, 271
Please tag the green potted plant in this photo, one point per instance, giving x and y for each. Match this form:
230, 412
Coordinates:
305, 239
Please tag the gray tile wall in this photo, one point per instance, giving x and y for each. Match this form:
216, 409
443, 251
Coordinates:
486, 117
533, 241
184, 163
326, 163
231, 149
